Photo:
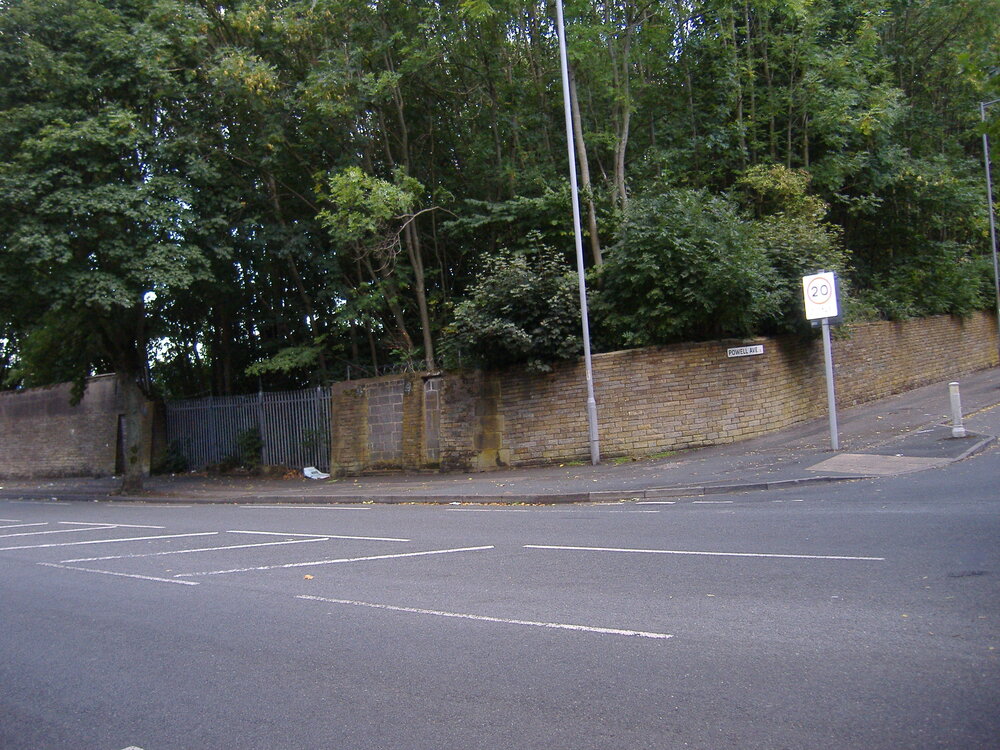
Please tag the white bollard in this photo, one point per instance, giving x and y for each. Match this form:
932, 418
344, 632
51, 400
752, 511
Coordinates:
957, 430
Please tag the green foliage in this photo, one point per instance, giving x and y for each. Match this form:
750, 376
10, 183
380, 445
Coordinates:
687, 265
365, 208
524, 309
792, 230
249, 450
942, 280
289, 359
265, 170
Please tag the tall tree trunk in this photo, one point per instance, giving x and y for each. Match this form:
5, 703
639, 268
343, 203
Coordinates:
384, 273
413, 249
410, 237
581, 155
135, 458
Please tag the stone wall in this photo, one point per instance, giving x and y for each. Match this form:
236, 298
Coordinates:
43, 435
649, 400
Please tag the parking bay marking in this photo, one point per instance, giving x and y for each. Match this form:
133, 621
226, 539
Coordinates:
110, 525
324, 536
199, 549
120, 575
486, 618
315, 563
109, 541
57, 531
702, 553
24, 525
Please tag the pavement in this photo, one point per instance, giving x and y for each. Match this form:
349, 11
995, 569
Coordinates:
909, 432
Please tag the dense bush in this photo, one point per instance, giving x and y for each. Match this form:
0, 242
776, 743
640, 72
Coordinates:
687, 265
524, 309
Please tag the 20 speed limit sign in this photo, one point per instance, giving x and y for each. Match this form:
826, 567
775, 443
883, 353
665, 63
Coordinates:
820, 292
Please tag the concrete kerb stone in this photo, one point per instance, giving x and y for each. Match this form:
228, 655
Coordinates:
981, 445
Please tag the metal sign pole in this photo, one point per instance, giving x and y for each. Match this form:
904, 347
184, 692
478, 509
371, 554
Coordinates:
831, 398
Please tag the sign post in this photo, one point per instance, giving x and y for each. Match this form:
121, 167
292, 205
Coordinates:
820, 292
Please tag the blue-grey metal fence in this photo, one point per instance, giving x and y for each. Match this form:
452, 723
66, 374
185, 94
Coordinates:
294, 428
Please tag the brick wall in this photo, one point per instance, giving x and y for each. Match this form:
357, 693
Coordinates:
43, 435
383, 423
649, 400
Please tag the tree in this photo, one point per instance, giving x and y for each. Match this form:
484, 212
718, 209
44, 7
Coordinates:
94, 196
370, 217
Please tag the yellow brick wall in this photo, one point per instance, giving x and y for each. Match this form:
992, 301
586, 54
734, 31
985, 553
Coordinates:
661, 398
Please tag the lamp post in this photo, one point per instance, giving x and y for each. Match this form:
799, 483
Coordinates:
989, 206
595, 448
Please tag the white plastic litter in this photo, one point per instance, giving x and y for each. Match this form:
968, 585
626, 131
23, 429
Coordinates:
313, 473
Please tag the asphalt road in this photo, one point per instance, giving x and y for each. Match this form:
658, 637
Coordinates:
862, 615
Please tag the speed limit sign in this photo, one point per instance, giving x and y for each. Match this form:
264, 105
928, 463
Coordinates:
820, 292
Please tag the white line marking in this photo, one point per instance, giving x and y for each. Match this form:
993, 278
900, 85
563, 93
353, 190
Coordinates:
324, 536
152, 504
485, 618
299, 506
111, 525
333, 562
24, 525
200, 549
10, 520
111, 541
488, 510
122, 575
657, 502
57, 531
706, 554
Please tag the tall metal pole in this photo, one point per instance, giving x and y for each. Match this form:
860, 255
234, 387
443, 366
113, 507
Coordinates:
595, 448
831, 396
989, 206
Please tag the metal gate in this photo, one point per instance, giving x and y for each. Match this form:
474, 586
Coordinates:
290, 428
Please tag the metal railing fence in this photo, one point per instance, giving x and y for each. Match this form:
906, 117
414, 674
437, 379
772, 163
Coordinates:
289, 428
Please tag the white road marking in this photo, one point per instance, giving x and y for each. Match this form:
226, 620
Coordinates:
57, 531
488, 510
705, 554
121, 575
333, 562
485, 618
10, 520
324, 536
299, 506
110, 525
200, 549
158, 505
111, 541
24, 525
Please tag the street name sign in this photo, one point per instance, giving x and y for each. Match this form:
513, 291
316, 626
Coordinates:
745, 351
